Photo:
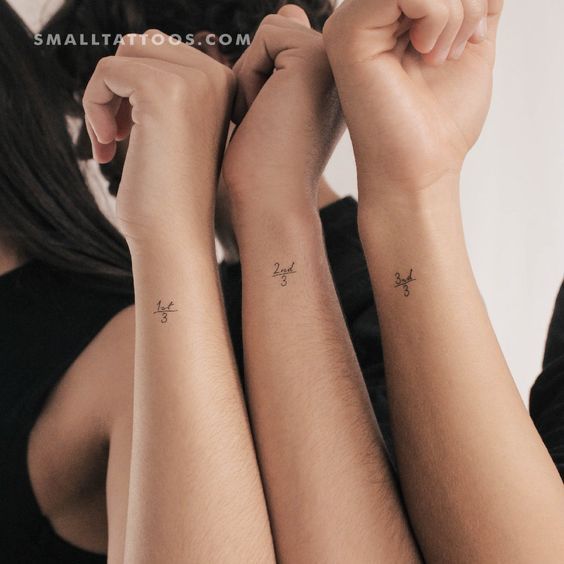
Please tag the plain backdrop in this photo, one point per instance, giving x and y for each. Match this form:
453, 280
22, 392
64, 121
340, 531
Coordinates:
513, 181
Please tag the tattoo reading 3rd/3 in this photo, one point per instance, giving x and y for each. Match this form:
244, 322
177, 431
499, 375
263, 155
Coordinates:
404, 282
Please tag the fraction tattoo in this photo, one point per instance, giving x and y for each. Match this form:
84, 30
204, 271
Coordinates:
164, 310
404, 282
283, 273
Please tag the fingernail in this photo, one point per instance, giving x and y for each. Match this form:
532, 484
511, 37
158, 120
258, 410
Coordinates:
457, 51
482, 29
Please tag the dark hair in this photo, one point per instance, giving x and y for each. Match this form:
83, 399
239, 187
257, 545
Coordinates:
182, 17
47, 211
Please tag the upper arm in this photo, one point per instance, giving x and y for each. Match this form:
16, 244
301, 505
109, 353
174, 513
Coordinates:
117, 488
117, 344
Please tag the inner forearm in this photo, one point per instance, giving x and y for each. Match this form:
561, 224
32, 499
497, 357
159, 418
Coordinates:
195, 488
467, 449
326, 474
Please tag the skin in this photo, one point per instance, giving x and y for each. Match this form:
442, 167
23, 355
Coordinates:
361, 500
9, 258
478, 482
79, 450
330, 492
187, 397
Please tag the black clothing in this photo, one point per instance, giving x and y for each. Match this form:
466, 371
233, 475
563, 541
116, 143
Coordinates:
547, 394
49, 318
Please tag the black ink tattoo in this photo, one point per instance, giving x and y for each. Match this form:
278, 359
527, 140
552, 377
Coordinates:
164, 310
283, 273
404, 282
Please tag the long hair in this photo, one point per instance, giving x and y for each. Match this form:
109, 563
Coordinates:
46, 209
47, 212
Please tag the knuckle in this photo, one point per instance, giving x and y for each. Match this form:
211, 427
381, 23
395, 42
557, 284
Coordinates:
178, 87
105, 63
442, 11
129, 43
270, 20
474, 10
126, 47
219, 75
152, 32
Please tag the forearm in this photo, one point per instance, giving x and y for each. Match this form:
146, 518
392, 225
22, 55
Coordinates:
470, 460
195, 490
328, 482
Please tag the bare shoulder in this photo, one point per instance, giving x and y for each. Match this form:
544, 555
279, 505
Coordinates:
105, 368
100, 381
69, 445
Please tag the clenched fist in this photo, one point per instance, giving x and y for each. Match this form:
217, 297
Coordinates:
414, 78
173, 103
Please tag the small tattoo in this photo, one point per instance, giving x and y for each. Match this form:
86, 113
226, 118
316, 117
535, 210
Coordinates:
404, 282
164, 310
283, 273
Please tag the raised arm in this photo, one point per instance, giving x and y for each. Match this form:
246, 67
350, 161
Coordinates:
195, 493
331, 495
478, 482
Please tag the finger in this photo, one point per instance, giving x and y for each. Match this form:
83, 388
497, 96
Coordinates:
473, 28
495, 8
115, 80
293, 12
430, 20
101, 152
124, 120
101, 101
276, 34
444, 44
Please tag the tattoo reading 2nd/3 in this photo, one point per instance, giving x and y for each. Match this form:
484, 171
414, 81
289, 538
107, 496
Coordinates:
404, 282
283, 273
164, 310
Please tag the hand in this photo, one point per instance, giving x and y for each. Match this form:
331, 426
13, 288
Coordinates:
415, 78
288, 114
173, 102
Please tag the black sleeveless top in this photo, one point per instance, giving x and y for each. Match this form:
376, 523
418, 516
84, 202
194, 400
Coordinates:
49, 317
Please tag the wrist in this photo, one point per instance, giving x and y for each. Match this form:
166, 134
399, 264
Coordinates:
291, 226
172, 247
390, 217
380, 196
272, 205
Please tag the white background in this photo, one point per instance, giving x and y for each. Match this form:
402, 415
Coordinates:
513, 182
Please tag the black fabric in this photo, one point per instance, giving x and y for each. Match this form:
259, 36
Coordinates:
49, 317
547, 394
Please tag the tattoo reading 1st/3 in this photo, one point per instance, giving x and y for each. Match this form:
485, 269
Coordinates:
283, 273
164, 310
404, 282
